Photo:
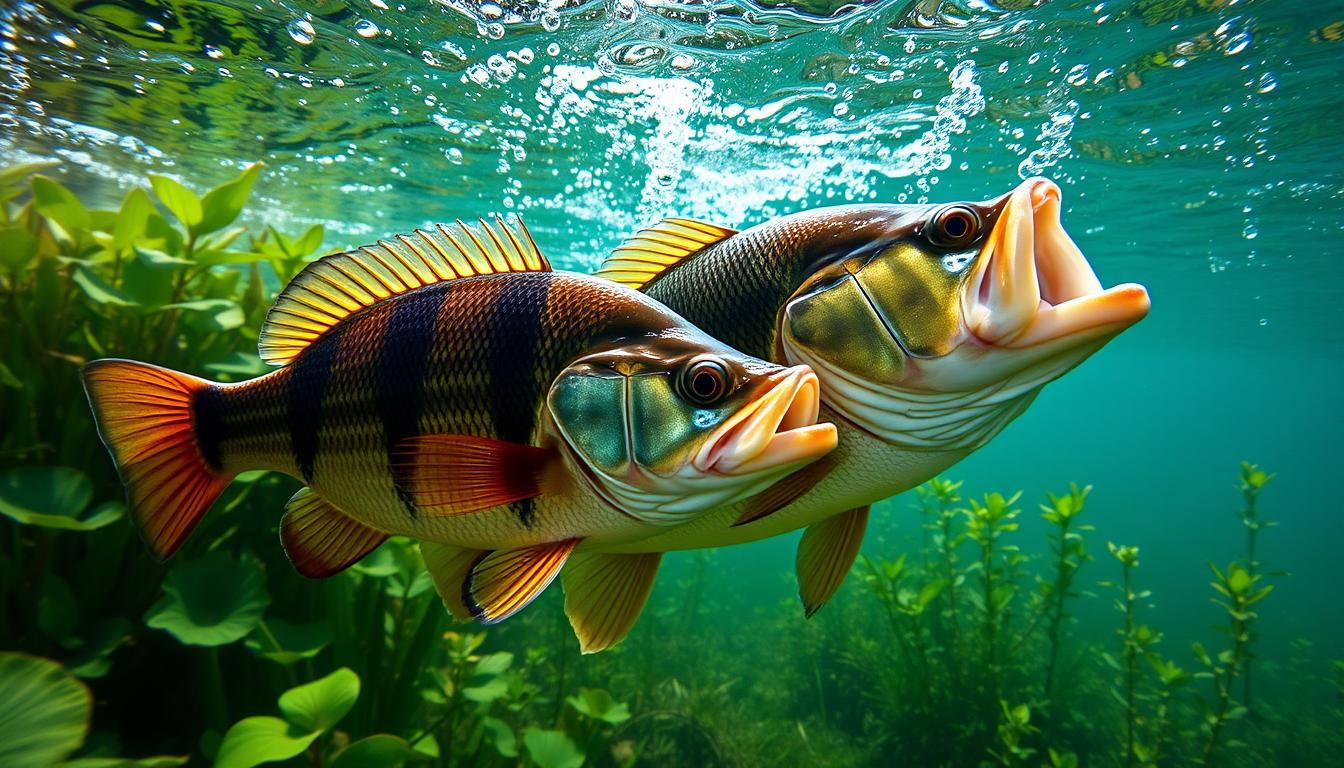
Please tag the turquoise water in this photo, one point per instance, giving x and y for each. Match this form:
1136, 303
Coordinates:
1197, 144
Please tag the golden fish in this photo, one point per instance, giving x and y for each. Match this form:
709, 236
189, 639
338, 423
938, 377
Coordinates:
931, 327
449, 386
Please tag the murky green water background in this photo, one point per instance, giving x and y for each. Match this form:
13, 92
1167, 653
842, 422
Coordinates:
1197, 143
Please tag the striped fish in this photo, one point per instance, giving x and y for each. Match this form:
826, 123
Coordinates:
931, 327
449, 386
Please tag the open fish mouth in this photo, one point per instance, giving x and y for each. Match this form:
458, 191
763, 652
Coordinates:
1032, 285
779, 430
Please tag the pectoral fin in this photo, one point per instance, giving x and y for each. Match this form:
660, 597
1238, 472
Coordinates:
449, 475
504, 581
449, 567
321, 540
784, 492
604, 594
825, 555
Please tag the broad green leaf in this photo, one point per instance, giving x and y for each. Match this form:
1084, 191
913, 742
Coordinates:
215, 600
17, 247
15, 174
53, 497
551, 749
8, 379
97, 290
494, 663
214, 257
496, 688
221, 205
147, 286
53, 200
322, 703
258, 740
93, 659
380, 750
223, 315
57, 612
44, 712
505, 742
598, 704
310, 241
157, 259
285, 643
182, 202
132, 219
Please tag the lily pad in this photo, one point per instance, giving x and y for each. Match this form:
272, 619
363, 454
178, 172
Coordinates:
285, 643
54, 497
215, 600
322, 703
44, 712
257, 740
551, 749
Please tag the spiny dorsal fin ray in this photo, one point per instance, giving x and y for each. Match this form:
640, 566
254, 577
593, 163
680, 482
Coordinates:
651, 251
334, 287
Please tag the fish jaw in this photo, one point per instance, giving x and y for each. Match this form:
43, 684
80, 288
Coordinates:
777, 432
1032, 288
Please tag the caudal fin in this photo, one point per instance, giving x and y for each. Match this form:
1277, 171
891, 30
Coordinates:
144, 416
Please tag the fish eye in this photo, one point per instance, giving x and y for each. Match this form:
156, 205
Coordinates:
954, 226
704, 381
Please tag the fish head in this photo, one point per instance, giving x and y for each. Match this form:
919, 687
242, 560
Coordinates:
671, 426
943, 331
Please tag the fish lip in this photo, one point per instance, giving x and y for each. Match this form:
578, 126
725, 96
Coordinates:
778, 430
1032, 286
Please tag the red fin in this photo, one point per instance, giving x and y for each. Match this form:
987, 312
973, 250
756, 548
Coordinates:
450, 567
825, 555
144, 415
321, 540
458, 474
503, 582
784, 492
604, 595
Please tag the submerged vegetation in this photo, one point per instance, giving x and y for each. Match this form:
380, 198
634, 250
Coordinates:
965, 652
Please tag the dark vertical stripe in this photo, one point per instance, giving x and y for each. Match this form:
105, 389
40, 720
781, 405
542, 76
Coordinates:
399, 376
208, 424
515, 332
308, 378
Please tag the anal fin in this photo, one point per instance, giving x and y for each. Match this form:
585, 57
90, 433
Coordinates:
825, 555
449, 475
321, 540
604, 595
504, 581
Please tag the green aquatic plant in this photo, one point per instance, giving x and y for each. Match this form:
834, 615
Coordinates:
1239, 590
1069, 555
1253, 480
1136, 640
987, 523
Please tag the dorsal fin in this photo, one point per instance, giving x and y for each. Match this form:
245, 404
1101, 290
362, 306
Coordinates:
651, 251
334, 287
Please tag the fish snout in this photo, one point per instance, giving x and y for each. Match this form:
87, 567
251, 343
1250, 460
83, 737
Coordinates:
779, 429
1032, 285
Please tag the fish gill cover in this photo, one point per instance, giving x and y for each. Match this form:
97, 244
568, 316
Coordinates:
1150, 621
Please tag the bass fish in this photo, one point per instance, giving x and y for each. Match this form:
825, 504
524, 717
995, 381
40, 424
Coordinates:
930, 326
449, 386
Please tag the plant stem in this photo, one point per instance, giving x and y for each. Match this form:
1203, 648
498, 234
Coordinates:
1131, 665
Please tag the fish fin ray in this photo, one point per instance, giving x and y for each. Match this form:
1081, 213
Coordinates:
449, 475
826, 553
449, 567
334, 287
504, 581
144, 417
605, 593
784, 492
652, 251
320, 540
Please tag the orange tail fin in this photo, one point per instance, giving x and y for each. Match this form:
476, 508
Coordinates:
145, 418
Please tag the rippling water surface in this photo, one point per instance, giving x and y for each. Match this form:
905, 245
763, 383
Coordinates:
1197, 141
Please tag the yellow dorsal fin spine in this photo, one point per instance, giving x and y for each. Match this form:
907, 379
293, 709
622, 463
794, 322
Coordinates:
652, 251
335, 287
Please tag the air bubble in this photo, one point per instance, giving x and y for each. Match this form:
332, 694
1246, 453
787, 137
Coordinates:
454, 155
550, 21
213, 52
366, 29
491, 10
1077, 76
553, 50
301, 31
1267, 83
1239, 42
